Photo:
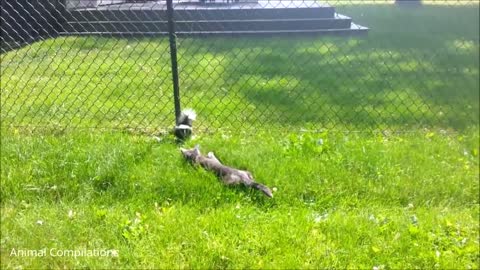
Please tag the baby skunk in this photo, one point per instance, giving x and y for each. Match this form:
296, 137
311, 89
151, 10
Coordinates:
183, 129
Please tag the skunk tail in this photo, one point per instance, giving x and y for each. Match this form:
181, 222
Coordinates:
186, 117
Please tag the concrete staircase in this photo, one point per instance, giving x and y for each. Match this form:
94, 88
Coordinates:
262, 18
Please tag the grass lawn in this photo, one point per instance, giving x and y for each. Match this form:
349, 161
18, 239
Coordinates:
401, 201
343, 199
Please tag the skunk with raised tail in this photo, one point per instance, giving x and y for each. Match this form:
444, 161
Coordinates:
183, 129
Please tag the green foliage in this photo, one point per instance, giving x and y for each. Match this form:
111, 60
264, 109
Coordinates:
309, 143
134, 229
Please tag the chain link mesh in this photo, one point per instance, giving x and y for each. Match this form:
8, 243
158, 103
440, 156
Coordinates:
345, 65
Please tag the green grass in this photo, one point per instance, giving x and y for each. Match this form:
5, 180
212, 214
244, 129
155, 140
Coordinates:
417, 67
350, 202
358, 200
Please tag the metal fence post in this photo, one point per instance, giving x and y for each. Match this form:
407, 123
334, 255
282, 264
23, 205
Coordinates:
173, 57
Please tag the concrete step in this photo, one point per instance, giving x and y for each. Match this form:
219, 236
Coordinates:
353, 30
262, 18
338, 22
198, 15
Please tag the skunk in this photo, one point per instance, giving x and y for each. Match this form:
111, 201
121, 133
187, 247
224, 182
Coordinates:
183, 128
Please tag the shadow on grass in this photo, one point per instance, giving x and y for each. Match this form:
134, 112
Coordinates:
417, 67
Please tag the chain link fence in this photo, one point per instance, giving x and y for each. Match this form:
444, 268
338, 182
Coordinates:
343, 65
